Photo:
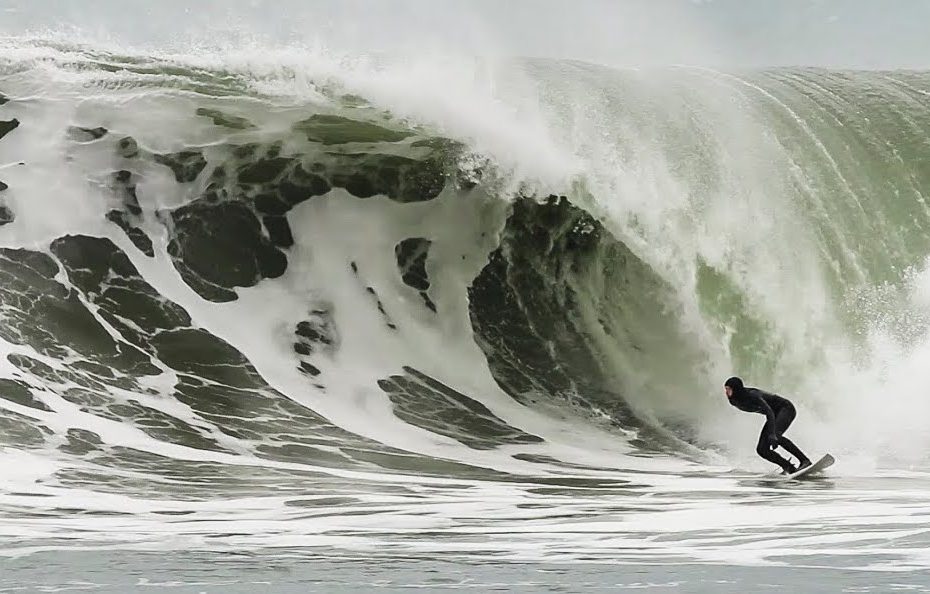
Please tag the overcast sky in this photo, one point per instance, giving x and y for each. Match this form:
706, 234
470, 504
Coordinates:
735, 33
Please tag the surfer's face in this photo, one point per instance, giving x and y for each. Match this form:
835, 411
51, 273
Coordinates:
729, 391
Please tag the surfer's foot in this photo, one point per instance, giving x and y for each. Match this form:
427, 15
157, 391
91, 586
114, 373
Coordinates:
804, 464
790, 469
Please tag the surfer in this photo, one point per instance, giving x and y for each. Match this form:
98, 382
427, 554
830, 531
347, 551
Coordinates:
779, 412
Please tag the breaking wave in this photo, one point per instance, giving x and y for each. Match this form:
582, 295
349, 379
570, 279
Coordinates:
230, 271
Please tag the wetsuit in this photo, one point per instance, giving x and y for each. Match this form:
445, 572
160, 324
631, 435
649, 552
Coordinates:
779, 413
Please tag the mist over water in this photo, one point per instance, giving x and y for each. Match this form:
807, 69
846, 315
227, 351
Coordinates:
402, 282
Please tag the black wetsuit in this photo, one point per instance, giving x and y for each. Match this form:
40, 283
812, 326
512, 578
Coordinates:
779, 413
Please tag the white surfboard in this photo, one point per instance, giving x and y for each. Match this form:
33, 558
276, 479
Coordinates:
814, 469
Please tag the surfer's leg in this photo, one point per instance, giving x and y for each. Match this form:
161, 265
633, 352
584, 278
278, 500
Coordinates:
794, 451
783, 419
764, 450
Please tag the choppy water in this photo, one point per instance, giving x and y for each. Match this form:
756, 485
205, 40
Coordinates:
295, 572
290, 322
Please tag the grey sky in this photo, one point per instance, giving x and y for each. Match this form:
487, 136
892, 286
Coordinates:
735, 33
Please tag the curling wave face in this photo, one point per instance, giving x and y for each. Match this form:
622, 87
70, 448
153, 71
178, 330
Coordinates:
215, 288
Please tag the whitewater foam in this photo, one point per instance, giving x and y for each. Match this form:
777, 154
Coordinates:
539, 382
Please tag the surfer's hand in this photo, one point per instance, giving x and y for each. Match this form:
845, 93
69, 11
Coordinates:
773, 440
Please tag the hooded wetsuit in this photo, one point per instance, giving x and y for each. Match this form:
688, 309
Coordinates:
779, 413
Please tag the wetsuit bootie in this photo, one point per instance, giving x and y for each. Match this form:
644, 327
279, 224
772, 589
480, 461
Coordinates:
790, 469
804, 464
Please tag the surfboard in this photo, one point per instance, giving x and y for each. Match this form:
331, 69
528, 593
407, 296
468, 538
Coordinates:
814, 469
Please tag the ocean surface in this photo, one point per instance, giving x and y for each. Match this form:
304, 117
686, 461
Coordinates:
296, 321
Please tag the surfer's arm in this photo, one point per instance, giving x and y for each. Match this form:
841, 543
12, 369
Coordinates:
769, 413
765, 409
752, 401
769, 421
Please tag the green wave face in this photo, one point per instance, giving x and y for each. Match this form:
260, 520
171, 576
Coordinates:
810, 178
766, 224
